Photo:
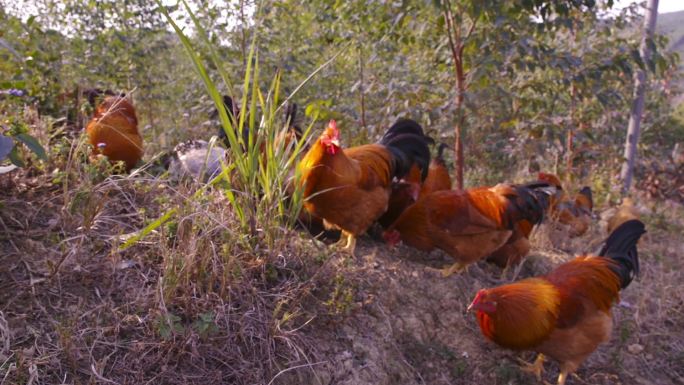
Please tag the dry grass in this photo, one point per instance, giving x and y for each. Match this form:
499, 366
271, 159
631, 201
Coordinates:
197, 301
191, 303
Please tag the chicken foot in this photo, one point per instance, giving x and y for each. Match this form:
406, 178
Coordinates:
350, 244
455, 268
535, 368
562, 377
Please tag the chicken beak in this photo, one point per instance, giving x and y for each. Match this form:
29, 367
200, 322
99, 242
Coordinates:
471, 307
336, 142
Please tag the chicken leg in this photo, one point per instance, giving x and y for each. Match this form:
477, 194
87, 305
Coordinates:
350, 245
562, 377
455, 268
536, 368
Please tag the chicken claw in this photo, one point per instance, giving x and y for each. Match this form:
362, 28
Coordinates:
349, 245
536, 368
561, 377
455, 268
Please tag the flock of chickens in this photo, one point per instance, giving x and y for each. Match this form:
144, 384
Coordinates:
564, 315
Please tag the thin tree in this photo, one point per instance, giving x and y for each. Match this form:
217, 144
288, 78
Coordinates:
457, 41
634, 127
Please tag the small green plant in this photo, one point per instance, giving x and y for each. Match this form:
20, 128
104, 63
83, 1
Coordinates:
168, 325
342, 296
9, 145
205, 325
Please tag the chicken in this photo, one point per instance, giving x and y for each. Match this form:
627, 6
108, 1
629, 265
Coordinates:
554, 181
113, 132
293, 131
196, 159
515, 248
565, 314
408, 190
404, 193
576, 213
469, 225
350, 188
233, 112
625, 212
438, 174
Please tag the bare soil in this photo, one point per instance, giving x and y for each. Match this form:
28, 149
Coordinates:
75, 311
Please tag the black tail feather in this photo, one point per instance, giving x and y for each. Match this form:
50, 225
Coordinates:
233, 112
530, 201
620, 246
408, 145
586, 191
290, 119
440, 152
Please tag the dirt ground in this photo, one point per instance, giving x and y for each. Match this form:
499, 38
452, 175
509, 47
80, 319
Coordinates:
73, 312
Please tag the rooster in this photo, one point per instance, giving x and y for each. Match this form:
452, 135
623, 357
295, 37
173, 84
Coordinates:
515, 248
233, 112
625, 212
565, 314
404, 193
438, 174
350, 188
113, 132
469, 225
576, 213
408, 190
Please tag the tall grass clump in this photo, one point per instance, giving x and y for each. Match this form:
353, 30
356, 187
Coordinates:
234, 231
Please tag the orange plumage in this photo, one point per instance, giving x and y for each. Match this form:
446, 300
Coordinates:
518, 245
349, 188
404, 193
575, 213
113, 132
625, 212
471, 224
565, 314
438, 178
515, 248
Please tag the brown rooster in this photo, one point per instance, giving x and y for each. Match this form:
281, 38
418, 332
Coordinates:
625, 212
438, 174
113, 132
350, 188
404, 193
565, 314
575, 213
471, 224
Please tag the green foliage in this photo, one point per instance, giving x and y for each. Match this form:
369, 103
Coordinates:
14, 135
205, 325
167, 325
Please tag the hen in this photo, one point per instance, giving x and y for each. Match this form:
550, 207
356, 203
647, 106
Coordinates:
565, 314
350, 188
469, 225
113, 132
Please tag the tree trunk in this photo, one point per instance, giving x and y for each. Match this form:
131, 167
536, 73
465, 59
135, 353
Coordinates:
361, 93
460, 119
457, 43
634, 127
569, 148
